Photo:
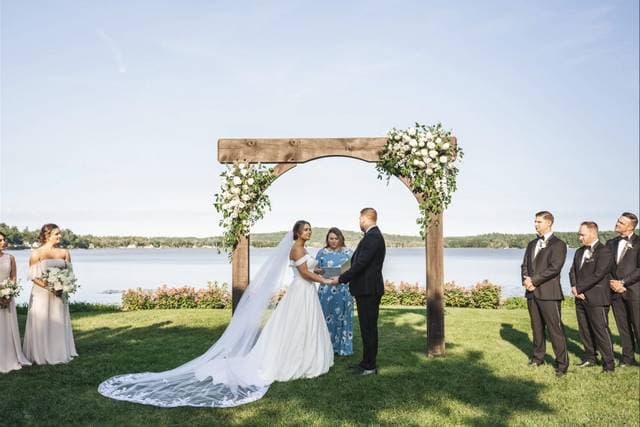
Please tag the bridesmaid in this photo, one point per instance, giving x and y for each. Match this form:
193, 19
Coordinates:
336, 301
48, 337
11, 356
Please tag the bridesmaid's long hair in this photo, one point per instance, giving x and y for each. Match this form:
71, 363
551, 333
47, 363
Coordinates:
45, 232
338, 233
297, 228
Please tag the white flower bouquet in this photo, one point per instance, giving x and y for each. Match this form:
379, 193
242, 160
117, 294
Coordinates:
9, 288
61, 279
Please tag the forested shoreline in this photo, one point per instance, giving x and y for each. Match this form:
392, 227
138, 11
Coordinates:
26, 238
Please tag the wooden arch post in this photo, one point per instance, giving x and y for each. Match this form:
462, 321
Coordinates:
286, 153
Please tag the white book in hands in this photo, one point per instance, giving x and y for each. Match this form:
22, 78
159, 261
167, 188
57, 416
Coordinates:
329, 272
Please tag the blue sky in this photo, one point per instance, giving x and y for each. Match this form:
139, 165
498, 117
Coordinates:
111, 111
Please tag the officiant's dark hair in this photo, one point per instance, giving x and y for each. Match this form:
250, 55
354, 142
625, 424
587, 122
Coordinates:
297, 227
632, 217
45, 232
337, 232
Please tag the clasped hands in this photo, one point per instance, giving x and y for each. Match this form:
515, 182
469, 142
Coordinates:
331, 281
528, 284
617, 286
575, 293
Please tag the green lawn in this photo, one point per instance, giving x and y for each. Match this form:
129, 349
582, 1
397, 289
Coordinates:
484, 380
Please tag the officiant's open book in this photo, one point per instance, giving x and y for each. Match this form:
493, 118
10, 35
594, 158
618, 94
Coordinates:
330, 272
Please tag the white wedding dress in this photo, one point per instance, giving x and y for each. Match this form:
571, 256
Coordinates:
240, 366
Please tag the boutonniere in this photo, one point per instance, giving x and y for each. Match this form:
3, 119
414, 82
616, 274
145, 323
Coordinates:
629, 245
588, 255
543, 244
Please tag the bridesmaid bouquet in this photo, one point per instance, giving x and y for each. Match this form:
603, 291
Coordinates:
9, 288
61, 279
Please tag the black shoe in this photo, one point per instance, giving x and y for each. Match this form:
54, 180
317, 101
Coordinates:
628, 364
560, 374
607, 371
373, 371
587, 364
534, 362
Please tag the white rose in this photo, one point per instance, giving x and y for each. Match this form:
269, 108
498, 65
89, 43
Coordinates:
245, 197
244, 172
431, 145
421, 163
428, 159
245, 187
424, 152
429, 135
433, 154
445, 146
421, 144
416, 162
413, 143
250, 181
429, 171
57, 287
241, 205
235, 190
237, 180
438, 140
406, 138
412, 131
242, 166
443, 159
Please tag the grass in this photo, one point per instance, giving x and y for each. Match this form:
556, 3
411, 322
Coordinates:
484, 380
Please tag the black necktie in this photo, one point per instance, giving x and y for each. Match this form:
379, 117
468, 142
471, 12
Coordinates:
541, 238
626, 239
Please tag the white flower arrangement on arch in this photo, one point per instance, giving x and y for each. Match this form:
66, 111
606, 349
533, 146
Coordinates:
427, 158
242, 200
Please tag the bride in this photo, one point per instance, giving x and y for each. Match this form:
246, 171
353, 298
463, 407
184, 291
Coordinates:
240, 366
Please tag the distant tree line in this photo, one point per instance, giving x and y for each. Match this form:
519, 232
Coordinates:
22, 239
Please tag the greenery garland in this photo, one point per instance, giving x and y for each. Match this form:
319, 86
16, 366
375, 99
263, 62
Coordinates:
242, 200
426, 157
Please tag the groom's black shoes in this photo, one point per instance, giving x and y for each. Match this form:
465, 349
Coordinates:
359, 370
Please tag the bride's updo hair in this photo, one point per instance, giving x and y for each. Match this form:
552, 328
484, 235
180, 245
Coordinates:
45, 232
297, 228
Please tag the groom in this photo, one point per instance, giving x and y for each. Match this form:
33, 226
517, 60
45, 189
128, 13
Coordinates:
367, 286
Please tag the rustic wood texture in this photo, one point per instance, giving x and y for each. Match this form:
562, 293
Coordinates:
239, 271
435, 287
298, 150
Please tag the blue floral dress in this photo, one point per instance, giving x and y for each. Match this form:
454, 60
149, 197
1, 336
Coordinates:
337, 303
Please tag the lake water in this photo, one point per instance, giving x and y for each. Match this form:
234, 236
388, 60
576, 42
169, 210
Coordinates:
102, 270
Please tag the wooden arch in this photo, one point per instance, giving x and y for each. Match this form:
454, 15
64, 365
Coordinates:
286, 153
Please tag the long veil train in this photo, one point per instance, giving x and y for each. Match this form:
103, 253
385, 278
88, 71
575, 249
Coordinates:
210, 380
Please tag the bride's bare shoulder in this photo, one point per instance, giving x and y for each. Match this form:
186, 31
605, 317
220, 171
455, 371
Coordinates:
296, 253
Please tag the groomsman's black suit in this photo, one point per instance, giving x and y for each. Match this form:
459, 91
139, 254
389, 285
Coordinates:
544, 302
590, 276
367, 286
626, 306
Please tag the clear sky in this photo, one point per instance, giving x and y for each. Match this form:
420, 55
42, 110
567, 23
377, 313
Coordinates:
111, 111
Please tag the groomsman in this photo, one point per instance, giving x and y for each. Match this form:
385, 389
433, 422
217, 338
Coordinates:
541, 267
625, 285
590, 274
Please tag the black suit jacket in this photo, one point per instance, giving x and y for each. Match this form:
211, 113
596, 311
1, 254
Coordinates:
629, 267
592, 279
365, 275
545, 269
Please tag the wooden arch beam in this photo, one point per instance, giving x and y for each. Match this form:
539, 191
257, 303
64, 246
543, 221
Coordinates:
286, 153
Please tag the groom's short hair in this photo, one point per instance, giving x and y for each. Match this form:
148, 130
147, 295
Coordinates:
370, 213
545, 215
